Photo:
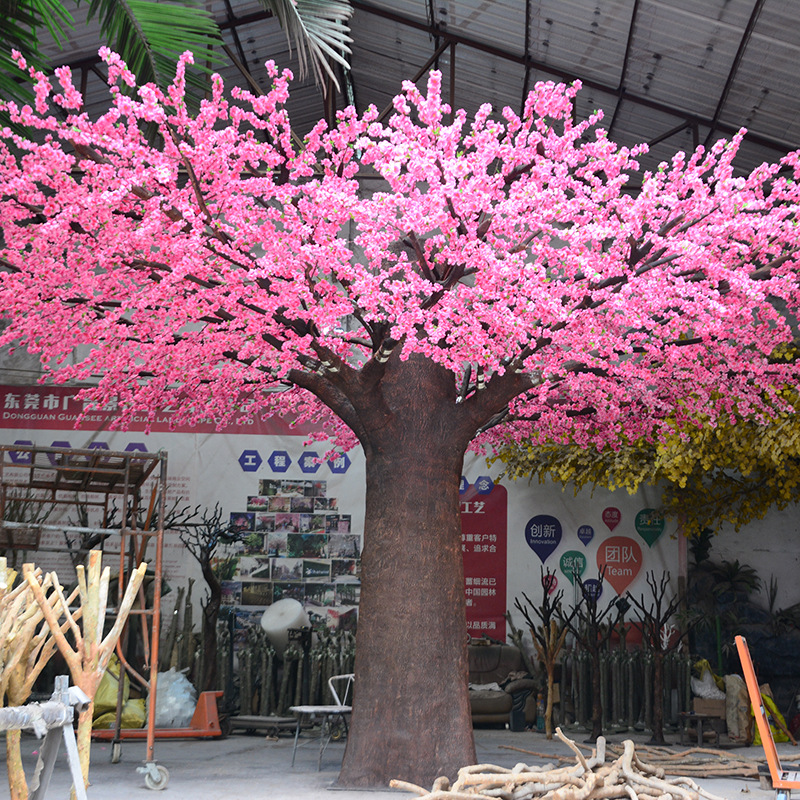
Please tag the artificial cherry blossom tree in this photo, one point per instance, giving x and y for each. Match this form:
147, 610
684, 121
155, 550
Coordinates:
416, 286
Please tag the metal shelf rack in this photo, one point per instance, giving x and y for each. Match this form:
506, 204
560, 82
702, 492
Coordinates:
36, 481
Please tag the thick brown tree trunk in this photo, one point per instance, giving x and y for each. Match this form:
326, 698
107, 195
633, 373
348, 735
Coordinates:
411, 716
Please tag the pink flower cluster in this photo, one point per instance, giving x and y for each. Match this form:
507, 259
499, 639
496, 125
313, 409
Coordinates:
233, 261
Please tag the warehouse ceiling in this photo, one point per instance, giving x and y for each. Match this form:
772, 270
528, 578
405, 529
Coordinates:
672, 73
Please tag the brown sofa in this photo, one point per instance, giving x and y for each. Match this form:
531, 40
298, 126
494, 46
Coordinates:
501, 691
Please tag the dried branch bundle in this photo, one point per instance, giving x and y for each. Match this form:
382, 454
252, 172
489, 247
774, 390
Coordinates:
588, 778
88, 658
26, 645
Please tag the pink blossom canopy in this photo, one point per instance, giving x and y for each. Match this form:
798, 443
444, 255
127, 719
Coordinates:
231, 258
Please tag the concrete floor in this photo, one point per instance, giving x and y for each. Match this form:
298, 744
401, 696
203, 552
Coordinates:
245, 767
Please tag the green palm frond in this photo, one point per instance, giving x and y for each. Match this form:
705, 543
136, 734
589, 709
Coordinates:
319, 31
150, 36
22, 21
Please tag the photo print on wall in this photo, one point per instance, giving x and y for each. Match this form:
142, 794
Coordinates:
298, 543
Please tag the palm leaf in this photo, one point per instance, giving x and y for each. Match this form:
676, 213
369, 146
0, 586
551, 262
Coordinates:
319, 30
22, 22
150, 36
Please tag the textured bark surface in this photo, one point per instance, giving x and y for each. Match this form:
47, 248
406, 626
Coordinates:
658, 698
17, 785
211, 607
597, 703
411, 716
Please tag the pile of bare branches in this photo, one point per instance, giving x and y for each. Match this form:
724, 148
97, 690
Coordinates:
593, 778
697, 761
704, 762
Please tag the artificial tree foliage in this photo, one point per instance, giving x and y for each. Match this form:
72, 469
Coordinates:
151, 35
497, 278
711, 473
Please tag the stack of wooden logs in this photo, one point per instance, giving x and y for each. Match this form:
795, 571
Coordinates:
592, 778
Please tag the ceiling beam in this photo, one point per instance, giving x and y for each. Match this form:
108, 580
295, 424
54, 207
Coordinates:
623, 73
526, 79
748, 31
229, 17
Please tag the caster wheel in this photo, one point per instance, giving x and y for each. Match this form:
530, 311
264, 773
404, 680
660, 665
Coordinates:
337, 733
158, 781
116, 752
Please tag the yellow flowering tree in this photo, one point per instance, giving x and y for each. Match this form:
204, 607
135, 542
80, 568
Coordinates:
730, 472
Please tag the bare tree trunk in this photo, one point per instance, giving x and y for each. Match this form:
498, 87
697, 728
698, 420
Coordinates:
551, 687
17, 784
84, 738
209, 635
597, 703
658, 697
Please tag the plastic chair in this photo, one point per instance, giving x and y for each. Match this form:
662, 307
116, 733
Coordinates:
328, 715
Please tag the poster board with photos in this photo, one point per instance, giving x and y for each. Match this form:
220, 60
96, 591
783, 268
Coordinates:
297, 542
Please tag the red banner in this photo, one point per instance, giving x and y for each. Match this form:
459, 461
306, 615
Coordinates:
484, 526
58, 408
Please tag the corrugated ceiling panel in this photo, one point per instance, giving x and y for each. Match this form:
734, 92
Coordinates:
679, 59
483, 78
681, 54
764, 96
734, 13
581, 38
384, 55
778, 21
499, 23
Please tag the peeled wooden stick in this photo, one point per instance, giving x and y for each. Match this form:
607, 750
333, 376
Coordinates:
627, 777
572, 746
26, 645
88, 659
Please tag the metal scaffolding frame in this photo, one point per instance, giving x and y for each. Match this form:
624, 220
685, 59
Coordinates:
34, 481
